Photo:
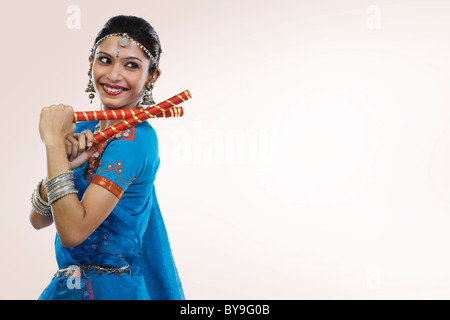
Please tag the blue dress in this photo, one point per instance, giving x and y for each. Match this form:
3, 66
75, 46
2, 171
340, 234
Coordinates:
133, 234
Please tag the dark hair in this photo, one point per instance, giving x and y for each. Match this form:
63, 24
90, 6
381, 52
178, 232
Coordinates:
139, 30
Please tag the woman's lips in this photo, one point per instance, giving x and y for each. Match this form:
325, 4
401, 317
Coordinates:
113, 90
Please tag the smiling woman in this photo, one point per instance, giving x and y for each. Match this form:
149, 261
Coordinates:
120, 81
111, 237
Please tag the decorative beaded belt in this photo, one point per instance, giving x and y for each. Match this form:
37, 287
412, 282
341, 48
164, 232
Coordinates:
75, 271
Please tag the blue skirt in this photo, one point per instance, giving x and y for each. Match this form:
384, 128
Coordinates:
95, 286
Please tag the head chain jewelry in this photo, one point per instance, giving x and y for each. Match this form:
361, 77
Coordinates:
124, 42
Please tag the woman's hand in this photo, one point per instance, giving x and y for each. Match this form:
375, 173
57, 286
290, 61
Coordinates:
80, 148
56, 123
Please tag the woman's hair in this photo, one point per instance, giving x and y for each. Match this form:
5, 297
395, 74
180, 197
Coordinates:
139, 30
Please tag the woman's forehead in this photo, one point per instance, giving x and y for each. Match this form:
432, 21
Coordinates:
112, 45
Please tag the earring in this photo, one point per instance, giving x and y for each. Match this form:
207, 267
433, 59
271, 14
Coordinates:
90, 85
147, 99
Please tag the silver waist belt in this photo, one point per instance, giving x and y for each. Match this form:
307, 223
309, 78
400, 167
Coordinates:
75, 271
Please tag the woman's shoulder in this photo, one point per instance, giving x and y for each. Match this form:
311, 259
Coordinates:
146, 131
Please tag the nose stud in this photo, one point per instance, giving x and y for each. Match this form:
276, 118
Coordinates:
117, 54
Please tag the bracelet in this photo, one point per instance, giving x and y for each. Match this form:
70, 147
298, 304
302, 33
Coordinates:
39, 204
60, 186
56, 180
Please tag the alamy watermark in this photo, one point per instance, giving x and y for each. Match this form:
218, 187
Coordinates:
374, 19
374, 279
74, 280
257, 147
74, 19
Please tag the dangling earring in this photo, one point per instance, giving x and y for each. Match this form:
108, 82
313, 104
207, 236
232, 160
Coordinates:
90, 85
147, 99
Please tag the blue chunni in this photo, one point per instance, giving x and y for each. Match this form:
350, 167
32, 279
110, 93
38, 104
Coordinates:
133, 234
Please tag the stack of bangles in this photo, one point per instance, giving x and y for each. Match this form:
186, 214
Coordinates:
57, 187
40, 205
63, 184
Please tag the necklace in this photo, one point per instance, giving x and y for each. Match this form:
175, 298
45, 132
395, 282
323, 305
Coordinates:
97, 128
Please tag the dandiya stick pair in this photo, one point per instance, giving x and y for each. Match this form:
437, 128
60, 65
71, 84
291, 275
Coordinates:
162, 109
122, 114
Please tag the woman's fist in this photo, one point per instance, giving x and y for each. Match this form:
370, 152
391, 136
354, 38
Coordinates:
56, 122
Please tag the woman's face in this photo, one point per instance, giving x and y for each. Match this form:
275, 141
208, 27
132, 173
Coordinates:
120, 73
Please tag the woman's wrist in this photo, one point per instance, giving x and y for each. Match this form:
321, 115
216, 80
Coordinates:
52, 142
43, 191
57, 161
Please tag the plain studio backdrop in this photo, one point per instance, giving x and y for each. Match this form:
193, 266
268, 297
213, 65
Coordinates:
311, 163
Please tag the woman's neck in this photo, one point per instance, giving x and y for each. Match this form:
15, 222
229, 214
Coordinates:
109, 123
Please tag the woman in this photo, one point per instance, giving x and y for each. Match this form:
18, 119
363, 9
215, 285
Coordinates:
111, 241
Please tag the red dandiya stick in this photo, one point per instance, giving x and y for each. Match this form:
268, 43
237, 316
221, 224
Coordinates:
163, 107
122, 114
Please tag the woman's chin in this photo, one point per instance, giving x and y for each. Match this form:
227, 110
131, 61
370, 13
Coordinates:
111, 106
108, 104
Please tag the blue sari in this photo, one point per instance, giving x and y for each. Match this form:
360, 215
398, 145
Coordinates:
133, 234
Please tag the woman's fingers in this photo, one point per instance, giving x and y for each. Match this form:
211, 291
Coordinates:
73, 150
82, 157
89, 138
68, 146
81, 137
78, 143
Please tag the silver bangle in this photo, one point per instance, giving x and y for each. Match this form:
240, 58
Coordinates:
60, 178
60, 186
39, 204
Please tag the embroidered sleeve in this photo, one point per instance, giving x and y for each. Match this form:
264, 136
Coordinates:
108, 185
119, 166
125, 160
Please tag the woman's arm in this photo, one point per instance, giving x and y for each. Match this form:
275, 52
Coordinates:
76, 144
39, 221
74, 220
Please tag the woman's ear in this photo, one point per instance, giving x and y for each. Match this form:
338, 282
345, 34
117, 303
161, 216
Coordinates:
154, 77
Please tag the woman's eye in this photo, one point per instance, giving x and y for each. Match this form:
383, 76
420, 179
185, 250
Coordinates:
104, 60
132, 65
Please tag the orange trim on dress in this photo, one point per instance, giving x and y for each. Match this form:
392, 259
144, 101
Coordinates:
108, 185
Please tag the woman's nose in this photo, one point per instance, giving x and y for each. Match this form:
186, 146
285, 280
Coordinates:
115, 72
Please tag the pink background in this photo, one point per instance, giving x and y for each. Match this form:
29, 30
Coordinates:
311, 163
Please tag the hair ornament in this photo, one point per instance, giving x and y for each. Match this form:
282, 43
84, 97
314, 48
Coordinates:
123, 43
